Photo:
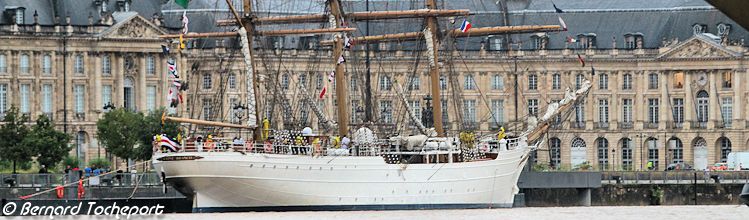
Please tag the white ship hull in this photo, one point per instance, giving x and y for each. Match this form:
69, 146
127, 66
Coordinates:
230, 181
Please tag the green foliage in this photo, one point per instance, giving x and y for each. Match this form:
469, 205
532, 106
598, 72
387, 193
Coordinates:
129, 135
70, 161
119, 132
585, 166
50, 145
152, 126
12, 133
539, 167
99, 163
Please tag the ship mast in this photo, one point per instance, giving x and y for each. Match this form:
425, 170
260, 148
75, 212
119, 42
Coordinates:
431, 34
434, 69
340, 86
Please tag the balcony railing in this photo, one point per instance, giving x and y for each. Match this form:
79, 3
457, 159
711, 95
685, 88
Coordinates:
578, 124
602, 125
626, 125
49, 115
470, 125
698, 124
651, 125
675, 124
25, 70
80, 115
724, 124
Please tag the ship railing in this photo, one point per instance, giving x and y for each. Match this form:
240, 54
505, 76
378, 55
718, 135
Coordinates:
374, 149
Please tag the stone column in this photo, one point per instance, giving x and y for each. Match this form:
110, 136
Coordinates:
714, 104
614, 114
118, 87
689, 102
140, 87
639, 107
665, 105
98, 106
738, 111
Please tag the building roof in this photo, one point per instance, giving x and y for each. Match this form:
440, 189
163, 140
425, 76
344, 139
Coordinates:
608, 20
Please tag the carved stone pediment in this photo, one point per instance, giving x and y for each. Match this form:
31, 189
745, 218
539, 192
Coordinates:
135, 27
698, 47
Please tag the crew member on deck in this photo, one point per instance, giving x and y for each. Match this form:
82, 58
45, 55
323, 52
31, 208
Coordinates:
501, 135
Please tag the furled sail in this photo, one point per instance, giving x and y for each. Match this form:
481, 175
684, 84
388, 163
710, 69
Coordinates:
251, 104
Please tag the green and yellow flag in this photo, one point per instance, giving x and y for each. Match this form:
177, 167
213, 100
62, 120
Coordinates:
182, 3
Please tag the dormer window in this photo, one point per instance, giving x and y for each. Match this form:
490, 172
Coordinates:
104, 6
585, 41
699, 29
724, 29
539, 41
19, 15
633, 40
123, 5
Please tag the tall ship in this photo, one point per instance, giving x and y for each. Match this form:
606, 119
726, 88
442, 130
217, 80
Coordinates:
345, 166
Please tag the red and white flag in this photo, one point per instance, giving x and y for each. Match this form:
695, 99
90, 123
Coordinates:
341, 59
322, 93
561, 22
580, 58
168, 143
465, 26
571, 40
185, 21
331, 76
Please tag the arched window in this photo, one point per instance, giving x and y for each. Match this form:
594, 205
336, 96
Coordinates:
24, 64
578, 152
129, 93
555, 152
725, 148
700, 153
603, 81
676, 150
652, 144
702, 106
285, 81
498, 82
207, 81
603, 153
579, 78
627, 81
653, 81
556, 81
532, 82
626, 154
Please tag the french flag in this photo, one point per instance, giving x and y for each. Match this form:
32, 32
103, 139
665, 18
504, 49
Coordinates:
465, 26
169, 144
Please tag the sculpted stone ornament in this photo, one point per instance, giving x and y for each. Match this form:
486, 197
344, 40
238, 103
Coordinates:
697, 49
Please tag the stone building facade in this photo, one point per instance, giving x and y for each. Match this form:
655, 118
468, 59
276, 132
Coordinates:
71, 72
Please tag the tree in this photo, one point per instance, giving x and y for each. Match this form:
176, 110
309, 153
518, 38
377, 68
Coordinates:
12, 133
49, 145
153, 126
120, 131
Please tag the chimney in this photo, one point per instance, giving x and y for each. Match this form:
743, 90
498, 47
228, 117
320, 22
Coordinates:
57, 24
90, 19
155, 19
69, 28
37, 28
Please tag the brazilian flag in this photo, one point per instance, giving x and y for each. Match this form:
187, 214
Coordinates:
182, 3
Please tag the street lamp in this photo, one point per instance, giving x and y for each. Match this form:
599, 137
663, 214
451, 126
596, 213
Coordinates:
239, 111
108, 107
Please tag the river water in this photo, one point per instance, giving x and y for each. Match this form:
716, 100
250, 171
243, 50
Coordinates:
725, 212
